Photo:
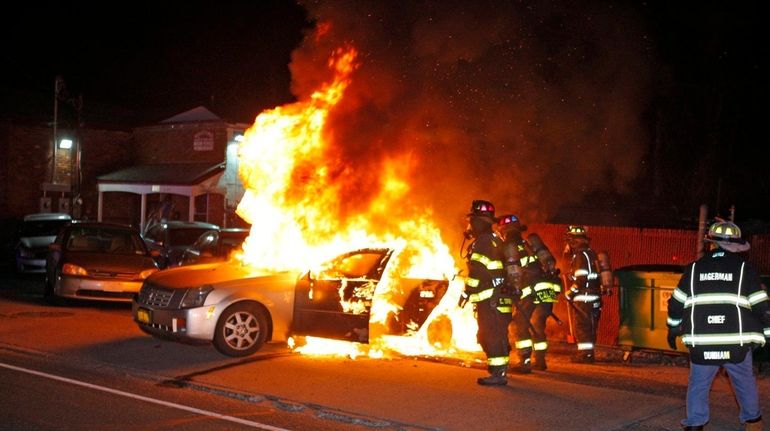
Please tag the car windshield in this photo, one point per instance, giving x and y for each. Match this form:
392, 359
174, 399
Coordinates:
184, 236
41, 227
104, 240
359, 265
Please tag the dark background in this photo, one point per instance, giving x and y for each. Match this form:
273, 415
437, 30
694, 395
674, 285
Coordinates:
701, 111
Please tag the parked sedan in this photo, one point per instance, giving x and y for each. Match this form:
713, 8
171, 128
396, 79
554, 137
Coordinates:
215, 246
239, 309
97, 261
35, 234
171, 238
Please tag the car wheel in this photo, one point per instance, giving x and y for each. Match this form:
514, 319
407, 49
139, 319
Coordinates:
241, 329
49, 295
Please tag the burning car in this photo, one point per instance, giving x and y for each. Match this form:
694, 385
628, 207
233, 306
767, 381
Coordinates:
238, 308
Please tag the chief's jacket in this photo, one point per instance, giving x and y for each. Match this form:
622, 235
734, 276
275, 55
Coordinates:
721, 308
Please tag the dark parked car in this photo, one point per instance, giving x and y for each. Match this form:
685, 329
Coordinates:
97, 261
215, 246
172, 238
35, 234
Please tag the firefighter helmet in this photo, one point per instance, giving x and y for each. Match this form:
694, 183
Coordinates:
482, 208
510, 222
576, 232
576, 237
727, 235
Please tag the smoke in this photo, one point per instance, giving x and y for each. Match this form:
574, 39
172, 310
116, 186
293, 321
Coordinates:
528, 104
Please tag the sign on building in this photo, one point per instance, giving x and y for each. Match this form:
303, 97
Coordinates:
203, 141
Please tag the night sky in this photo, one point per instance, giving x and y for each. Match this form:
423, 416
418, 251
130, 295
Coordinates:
588, 112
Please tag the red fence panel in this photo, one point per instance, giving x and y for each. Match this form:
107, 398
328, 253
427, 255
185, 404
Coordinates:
633, 246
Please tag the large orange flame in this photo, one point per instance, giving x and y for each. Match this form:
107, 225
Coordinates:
292, 201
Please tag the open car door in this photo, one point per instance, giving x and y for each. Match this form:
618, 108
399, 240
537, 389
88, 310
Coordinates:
336, 301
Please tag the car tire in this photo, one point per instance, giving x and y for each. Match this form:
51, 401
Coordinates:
48, 290
241, 329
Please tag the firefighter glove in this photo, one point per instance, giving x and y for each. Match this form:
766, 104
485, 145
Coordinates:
570, 293
673, 332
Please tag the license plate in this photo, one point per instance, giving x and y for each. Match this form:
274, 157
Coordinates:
143, 316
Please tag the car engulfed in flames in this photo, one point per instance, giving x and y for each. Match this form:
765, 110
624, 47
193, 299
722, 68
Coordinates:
239, 309
393, 285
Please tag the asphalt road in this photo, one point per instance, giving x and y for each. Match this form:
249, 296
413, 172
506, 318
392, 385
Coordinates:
99, 344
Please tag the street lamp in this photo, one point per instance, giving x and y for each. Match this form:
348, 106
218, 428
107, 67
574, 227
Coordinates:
65, 143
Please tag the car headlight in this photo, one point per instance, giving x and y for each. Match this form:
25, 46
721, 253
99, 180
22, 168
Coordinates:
72, 269
146, 273
196, 296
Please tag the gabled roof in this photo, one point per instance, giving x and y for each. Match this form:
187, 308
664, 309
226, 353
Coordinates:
195, 115
165, 173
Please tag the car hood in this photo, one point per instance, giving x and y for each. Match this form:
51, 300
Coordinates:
213, 273
102, 262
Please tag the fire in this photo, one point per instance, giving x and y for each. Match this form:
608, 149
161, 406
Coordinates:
293, 178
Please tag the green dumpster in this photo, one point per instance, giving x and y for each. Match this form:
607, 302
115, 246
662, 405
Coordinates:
643, 300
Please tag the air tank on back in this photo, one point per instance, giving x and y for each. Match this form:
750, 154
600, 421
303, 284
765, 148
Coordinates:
605, 270
541, 251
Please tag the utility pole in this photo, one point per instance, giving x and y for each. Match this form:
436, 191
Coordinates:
58, 86
702, 229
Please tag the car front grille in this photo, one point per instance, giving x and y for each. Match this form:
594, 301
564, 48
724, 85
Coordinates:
105, 295
113, 275
159, 297
40, 252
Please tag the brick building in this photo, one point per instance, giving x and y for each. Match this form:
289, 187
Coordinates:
182, 167
185, 168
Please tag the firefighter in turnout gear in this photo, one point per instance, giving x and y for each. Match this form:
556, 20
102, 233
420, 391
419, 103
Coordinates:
486, 290
530, 271
722, 312
584, 292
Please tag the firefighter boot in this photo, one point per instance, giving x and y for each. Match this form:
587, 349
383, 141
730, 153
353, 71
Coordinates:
540, 360
754, 425
524, 366
496, 377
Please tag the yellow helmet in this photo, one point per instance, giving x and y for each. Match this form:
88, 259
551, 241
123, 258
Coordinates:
576, 232
727, 235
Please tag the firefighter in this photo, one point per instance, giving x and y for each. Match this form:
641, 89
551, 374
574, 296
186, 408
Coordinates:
722, 312
584, 293
485, 289
530, 271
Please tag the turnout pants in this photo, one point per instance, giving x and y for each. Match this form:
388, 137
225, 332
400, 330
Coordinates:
493, 333
587, 316
529, 325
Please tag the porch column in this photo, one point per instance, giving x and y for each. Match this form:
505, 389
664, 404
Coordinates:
191, 207
143, 212
99, 206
